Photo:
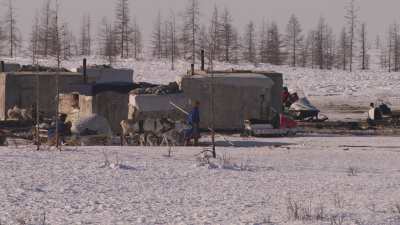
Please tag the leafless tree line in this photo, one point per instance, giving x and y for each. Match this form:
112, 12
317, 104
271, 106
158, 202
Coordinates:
182, 35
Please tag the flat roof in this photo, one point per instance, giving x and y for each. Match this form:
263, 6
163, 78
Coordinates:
43, 73
231, 75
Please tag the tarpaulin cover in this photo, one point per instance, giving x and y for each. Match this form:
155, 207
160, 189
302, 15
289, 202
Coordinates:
303, 105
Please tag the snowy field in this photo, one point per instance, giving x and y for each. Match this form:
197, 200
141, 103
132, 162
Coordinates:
303, 180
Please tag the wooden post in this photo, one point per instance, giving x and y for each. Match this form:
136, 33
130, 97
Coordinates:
214, 152
85, 78
202, 60
37, 113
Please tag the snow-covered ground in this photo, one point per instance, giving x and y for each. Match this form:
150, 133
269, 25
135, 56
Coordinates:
356, 179
326, 180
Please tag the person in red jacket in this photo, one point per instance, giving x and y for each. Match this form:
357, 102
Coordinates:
285, 95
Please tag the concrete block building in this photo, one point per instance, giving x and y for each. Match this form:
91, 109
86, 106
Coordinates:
20, 88
237, 95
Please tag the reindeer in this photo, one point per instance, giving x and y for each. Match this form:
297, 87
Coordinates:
148, 131
19, 114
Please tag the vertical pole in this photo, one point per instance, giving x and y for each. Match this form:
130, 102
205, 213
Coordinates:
37, 113
202, 60
192, 69
212, 108
3, 68
57, 108
85, 78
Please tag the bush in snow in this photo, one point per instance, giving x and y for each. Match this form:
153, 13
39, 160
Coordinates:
352, 171
224, 161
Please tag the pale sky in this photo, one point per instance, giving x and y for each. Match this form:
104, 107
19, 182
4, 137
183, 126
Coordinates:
378, 14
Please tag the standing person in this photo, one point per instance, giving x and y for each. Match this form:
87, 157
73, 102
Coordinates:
371, 113
194, 121
285, 95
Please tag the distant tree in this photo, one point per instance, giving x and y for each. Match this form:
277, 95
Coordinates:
122, 20
191, 27
304, 52
226, 35
68, 41
293, 39
34, 39
215, 34
324, 45
236, 47
249, 48
311, 40
136, 40
157, 37
378, 42
85, 36
351, 19
172, 39
45, 29
11, 29
274, 44
56, 36
330, 48
107, 41
363, 47
390, 48
263, 43
203, 41
342, 50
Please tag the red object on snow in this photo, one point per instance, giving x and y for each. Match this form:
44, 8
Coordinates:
286, 122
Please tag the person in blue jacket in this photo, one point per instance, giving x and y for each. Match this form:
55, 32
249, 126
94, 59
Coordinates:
193, 120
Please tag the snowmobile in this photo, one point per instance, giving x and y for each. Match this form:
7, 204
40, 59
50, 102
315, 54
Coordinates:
303, 110
264, 128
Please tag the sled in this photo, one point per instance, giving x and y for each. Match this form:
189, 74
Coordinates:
263, 128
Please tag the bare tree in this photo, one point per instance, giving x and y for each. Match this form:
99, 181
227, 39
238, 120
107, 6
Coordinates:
324, 46
68, 39
215, 34
226, 34
191, 27
351, 18
311, 39
329, 48
342, 51
172, 40
85, 36
10, 23
304, 52
263, 43
236, 47
363, 47
203, 41
293, 39
396, 46
45, 29
34, 39
107, 41
122, 27
136, 40
319, 43
378, 42
249, 48
274, 44
157, 37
